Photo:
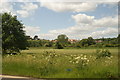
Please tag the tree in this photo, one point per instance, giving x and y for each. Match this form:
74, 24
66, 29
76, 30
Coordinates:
84, 42
36, 37
58, 46
13, 35
90, 41
63, 39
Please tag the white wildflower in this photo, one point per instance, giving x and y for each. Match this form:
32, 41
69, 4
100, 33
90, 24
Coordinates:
77, 57
77, 61
87, 60
84, 56
111, 56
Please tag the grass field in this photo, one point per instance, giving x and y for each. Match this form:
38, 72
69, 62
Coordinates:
61, 63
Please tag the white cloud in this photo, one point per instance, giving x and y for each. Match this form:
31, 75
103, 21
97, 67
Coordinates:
69, 6
23, 13
6, 7
109, 32
82, 18
91, 21
87, 26
27, 9
32, 30
29, 6
106, 22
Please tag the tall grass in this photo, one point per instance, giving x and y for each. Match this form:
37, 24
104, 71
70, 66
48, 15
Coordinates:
64, 63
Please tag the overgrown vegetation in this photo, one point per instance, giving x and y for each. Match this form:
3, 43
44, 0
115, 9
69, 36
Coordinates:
102, 53
64, 63
89, 42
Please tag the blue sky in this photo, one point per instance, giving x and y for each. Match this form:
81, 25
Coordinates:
76, 20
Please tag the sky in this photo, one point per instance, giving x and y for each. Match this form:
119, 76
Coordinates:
77, 20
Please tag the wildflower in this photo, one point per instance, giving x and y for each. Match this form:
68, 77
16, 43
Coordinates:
83, 64
81, 55
77, 61
111, 56
77, 57
34, 57
108, 57
84, 56
87, 60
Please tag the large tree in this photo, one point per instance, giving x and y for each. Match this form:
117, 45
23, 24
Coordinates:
63, 39
90, 41
13, 35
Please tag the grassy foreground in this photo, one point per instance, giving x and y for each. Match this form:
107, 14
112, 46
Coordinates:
61, 63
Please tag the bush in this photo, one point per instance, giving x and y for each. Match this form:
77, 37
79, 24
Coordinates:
48, 44
103, 53
58, 46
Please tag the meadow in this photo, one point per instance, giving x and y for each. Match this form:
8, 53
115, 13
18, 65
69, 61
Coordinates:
62, 63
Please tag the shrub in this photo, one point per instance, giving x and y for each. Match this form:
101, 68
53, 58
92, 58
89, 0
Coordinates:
103, 53
58, 46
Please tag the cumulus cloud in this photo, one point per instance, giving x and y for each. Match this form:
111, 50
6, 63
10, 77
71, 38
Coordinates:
83, 18
106, 22
23, 13
74, 6
6, 7
109, 32
27, 9
88, 26
69, 6
91, 21
32, 30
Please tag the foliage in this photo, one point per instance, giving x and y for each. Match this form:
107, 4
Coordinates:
40, 43
36, 37
87, 42
13, 35
103, 53
58, 45
64, 63
62, 39
48, 44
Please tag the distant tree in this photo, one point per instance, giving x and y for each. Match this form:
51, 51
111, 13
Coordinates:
90, 41
36, 37
84, 42
63, 39
28, 38
58, 46
13, 35
48, 44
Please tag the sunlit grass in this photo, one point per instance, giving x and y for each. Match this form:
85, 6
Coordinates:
61, 63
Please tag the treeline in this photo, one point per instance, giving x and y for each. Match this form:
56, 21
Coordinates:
63, 41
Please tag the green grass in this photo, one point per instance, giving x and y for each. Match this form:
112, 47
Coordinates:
61, 63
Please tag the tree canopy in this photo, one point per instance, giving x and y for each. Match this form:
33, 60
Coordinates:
13, 35
63, 39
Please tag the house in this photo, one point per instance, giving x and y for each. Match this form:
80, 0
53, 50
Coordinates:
98, 41
53, 40
72, 40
